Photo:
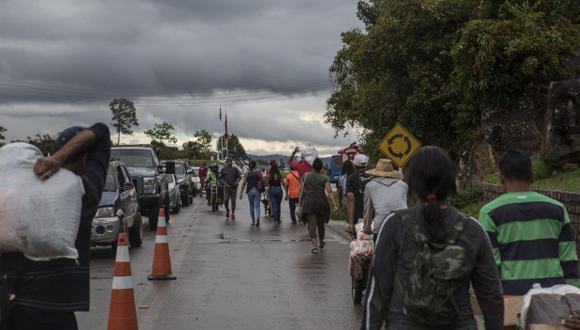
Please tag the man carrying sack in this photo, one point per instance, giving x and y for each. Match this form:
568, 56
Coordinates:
45, 294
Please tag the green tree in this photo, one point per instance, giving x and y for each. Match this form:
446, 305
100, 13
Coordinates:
45, 142
162, 132
235, 148
2, 137
167, 152
200, 147
124, 116
435, 66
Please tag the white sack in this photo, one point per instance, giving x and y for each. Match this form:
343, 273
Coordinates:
39, 219
562, 289
309, 154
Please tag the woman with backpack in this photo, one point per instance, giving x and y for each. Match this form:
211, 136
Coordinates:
314, 203
254, 187
426, 257
275, 191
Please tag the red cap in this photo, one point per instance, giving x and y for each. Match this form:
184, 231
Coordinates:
272, 162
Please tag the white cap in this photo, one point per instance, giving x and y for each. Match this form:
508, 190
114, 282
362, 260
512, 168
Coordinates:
361, 160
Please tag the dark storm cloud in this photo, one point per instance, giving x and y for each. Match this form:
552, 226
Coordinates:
62, 61
70, 50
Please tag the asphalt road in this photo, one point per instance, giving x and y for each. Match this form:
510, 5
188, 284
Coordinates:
233, 275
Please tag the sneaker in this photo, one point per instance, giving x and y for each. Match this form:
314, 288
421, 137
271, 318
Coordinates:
227, 215
321, 245
315, 251
253, 223
233, 217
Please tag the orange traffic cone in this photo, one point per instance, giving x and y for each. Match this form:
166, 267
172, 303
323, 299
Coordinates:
122, 312
161, 260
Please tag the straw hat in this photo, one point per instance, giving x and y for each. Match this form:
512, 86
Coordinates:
385, 169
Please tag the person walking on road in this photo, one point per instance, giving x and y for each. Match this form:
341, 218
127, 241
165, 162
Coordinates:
533, 239
301, 166
230, 178
275, 192
427, 257
253, 185
292, 185
314, 203
384, 193
48, 293
355, 188
347, 170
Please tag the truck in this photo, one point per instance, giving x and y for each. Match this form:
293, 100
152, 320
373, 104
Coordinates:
334, 163
150, 178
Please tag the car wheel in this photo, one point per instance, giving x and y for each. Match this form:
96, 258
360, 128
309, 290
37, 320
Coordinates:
114, 246
153, 218
136, 232
178, 207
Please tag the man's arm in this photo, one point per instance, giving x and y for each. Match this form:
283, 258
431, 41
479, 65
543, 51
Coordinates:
94, 140
491, 229
567, 252
350, 200
487, 285
382, 276
368, 212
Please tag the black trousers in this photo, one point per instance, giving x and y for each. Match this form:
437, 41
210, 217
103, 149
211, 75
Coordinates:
293, 202
29, 318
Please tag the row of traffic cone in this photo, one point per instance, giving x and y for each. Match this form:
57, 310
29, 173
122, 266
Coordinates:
122, 311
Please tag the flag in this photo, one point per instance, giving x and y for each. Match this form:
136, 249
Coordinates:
220, 113
226, 125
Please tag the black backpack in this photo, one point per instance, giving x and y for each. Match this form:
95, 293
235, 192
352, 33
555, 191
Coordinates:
436, 271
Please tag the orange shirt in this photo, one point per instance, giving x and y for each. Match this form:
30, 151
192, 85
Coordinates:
293, 183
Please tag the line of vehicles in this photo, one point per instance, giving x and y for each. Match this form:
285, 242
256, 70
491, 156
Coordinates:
139, 184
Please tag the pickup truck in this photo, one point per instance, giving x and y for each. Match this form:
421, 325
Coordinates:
149, 177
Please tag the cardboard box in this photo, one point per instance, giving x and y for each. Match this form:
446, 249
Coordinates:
546, 327
512, 308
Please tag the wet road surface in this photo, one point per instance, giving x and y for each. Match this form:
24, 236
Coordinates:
230, 274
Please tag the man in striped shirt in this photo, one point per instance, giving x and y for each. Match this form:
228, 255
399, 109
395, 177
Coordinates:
531, 234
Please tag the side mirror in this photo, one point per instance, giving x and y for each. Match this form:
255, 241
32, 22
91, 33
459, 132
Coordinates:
127, 186
167, 168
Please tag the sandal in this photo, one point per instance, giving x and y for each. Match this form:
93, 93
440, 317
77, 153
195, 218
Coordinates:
322, 244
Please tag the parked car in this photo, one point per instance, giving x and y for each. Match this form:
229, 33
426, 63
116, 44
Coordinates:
174, 194
149, 178
118, 204
185, 180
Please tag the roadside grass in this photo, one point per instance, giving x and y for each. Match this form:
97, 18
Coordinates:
339, 214
564, 181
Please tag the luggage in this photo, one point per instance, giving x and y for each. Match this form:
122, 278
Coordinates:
361, 254
39, 219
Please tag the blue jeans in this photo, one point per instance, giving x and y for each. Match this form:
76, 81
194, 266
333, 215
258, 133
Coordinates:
254, 198
276, 200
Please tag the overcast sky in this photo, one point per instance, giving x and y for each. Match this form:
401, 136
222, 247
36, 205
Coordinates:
265, 61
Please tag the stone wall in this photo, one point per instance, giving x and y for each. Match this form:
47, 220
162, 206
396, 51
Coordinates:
571, 200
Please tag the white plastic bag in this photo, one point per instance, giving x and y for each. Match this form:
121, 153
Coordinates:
309, 154
39, 219
561, 289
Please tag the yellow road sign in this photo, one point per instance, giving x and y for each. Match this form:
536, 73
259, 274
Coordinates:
399, 145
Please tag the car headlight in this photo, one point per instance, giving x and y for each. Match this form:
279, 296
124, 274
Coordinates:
105, 212
149, 184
